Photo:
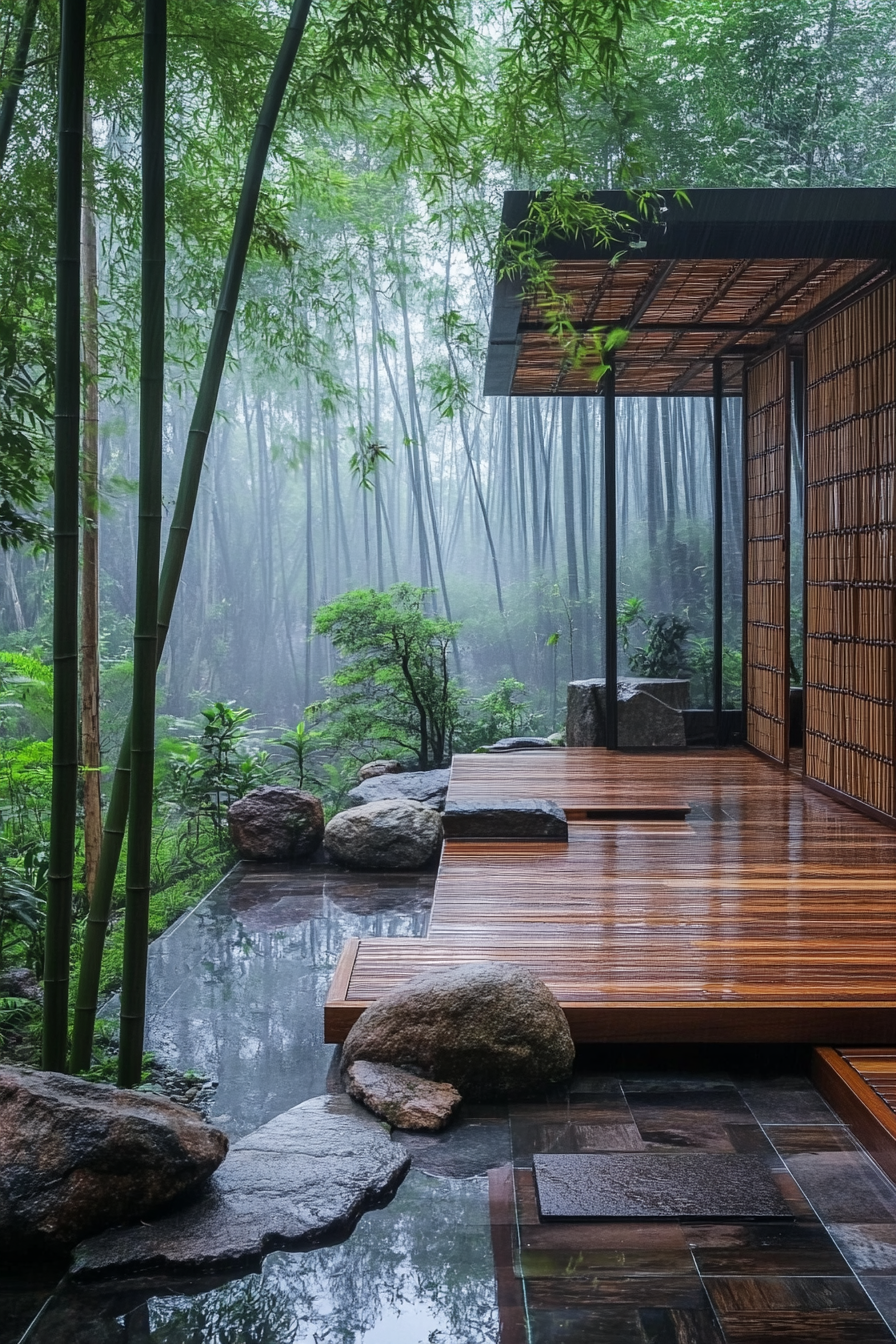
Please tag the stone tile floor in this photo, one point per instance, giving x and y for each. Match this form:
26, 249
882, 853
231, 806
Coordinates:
460, 1256
827, 1277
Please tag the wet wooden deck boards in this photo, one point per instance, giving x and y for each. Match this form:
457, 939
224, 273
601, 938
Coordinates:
769, 914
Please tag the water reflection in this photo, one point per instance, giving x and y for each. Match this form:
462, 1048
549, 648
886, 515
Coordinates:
237, 989
417, 1272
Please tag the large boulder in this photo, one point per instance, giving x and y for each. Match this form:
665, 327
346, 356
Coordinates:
395, 833
76, 1157
493, 1030
373, 769
423, 786
505, 819
301, 1180
401, 1098
649, 712
19, 983
276, 824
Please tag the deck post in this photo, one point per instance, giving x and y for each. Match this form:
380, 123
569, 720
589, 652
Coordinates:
717, 632
609, 502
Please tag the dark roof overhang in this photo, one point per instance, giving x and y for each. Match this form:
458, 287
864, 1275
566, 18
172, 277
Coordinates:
726, 274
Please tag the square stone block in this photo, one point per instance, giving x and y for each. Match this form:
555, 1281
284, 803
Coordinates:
654, 1185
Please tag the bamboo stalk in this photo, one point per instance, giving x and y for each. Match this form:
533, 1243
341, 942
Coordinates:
90, 567
176, 546
65, 531
16, 75
149, 535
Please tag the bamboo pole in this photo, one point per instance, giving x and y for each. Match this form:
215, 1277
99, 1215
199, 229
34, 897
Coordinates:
90, 560
149, 536
63, 804
188, 490
16, 75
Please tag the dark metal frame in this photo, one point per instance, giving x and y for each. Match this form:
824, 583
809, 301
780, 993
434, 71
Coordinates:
611, 670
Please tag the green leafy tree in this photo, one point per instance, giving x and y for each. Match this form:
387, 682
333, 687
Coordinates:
504, 711
394, 689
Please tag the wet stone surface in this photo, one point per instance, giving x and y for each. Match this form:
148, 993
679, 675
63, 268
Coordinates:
654, 1185
461, 1256
237, 988
301, 1179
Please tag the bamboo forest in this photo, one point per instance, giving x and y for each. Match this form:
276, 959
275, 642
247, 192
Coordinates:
325, 472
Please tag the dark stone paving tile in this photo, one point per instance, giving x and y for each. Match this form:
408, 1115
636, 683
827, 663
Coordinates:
680, 1082
806, 1327
679, 1327
529, 1139
787, 1105
758, 1249
470, 1147
749, 1138
690, 1119
787, 1293
882, 1291
792, 1139
588, 1084
612, 1325
869, 1247
844, 1187
641, 1290
624, 1253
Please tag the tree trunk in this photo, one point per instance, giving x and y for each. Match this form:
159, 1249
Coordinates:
90, 567
64, 800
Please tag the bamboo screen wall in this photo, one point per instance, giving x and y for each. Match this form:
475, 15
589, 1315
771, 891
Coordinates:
767, 596
850, 563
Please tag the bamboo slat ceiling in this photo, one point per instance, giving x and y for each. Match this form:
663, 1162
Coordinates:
727, 275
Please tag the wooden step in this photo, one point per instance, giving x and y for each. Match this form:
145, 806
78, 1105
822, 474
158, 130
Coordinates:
860, 1085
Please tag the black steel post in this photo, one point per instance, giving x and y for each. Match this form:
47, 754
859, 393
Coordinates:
717, 549
610, 633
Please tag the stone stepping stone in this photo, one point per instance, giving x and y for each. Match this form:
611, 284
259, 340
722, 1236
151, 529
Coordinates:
656, 1185
303, 1179
505, 819
401, 1098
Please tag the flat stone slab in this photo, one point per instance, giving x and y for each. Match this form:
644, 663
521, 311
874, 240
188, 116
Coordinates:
422, 786
522, 744
401, 1098
656, 1185
505, 819
300, 1181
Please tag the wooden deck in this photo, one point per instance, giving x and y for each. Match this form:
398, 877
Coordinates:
769, 914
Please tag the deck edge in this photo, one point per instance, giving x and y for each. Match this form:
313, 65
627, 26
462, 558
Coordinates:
863, 1112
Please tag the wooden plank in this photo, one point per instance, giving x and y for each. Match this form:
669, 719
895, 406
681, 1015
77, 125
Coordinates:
858, 1105
338, 1021
577, 778
767, 916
